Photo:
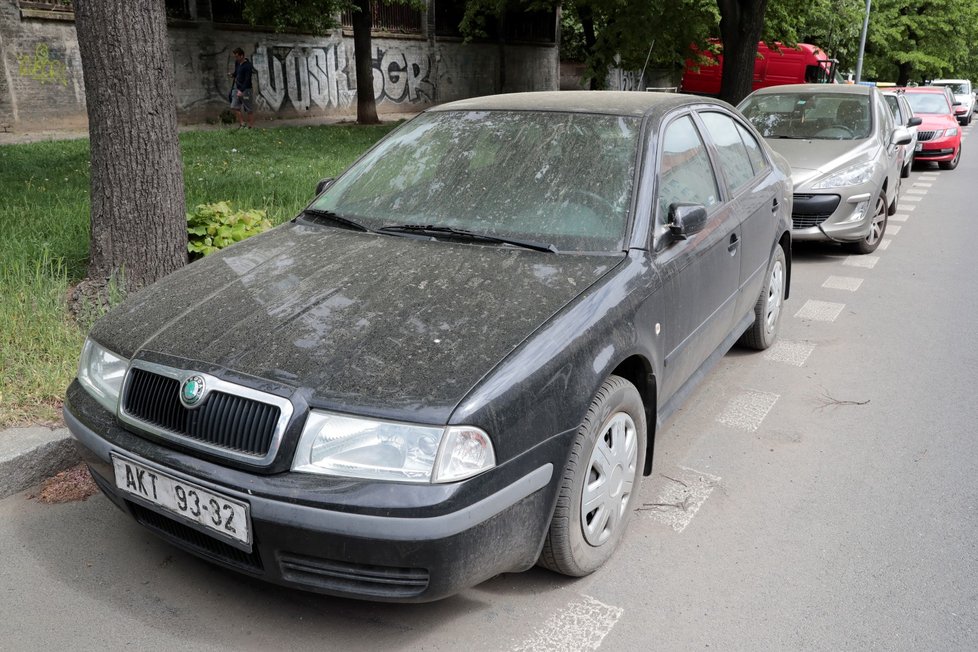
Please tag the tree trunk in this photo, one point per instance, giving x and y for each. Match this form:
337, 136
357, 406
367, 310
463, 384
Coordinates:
741, 25
138, 220
586, 16
903, 78
366, 102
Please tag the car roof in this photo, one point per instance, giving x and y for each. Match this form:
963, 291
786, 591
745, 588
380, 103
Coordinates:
626, 103
921, 89
849, 89
950, 81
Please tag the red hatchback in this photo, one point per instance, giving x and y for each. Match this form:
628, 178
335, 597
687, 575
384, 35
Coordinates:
939, 135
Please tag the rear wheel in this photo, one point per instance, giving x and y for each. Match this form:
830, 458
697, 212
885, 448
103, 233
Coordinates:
767, 310
868, 244
953, 163
600, 482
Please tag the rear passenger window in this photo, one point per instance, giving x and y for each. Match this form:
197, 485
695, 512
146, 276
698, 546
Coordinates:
753, 150
685, 172
734, 161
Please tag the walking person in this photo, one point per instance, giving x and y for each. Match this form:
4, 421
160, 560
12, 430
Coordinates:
241, 91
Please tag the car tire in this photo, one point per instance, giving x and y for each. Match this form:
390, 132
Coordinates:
600, 482
953, 163
869, 244
767, 311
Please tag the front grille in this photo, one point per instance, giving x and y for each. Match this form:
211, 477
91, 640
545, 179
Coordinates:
807, 221
196, 541
926, 135
357, 579
233, 423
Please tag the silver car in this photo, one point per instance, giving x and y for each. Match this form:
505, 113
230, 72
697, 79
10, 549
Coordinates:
903, 115
844, 150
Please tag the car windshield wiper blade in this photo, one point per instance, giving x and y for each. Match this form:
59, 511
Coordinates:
786, 136
334, 217
435, 230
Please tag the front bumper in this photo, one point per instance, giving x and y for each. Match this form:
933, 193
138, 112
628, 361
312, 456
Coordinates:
833, 215
358, 539
939, 149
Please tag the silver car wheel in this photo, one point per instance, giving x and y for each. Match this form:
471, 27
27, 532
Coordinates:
775, 292
610, 476
879, 222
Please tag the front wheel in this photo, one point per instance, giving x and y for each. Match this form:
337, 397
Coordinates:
600, 482
767, 311
868, 244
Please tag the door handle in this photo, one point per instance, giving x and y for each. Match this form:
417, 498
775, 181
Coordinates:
734, 241
775, 205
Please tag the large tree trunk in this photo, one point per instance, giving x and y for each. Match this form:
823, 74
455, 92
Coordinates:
903, 77
138, 221
586, 16
741, 25
366, 103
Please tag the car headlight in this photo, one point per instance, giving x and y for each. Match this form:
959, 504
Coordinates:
953, 131
850, 176
101, 372
354, 447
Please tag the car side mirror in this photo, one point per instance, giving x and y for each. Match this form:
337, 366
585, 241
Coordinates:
686, 219
323, 185
956, 104
902, 136
915, 122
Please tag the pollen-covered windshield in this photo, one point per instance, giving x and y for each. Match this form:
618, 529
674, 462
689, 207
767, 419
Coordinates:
560, 178
816, 116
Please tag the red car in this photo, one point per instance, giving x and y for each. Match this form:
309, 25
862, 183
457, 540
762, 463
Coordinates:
939, 135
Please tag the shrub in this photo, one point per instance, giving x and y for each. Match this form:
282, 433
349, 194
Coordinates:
214, 226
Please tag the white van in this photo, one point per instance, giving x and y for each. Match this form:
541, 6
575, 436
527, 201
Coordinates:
962, 93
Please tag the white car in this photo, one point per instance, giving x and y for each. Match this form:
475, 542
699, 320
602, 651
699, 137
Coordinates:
963, 93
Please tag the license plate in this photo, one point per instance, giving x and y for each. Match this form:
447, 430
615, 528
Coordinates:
918, 147
213, 511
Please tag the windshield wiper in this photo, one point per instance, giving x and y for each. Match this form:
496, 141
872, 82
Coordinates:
787, 137
334, 217
462, 234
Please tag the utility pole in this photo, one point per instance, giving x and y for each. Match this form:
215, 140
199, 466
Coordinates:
862, 44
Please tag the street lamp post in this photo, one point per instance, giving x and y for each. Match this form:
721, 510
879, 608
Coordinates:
862, 44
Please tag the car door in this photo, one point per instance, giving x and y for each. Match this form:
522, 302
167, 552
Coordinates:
701, 273
753, 195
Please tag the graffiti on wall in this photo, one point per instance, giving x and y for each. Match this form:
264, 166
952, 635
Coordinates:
325, 76
40, 67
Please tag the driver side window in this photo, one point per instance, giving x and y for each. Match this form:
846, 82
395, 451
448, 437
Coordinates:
685, 173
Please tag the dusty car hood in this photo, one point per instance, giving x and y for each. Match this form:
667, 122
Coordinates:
370, 323
815, 158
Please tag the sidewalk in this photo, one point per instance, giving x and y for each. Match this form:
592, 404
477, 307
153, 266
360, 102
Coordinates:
15, 138
29, 455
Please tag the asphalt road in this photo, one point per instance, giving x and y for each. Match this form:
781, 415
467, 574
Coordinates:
821, 495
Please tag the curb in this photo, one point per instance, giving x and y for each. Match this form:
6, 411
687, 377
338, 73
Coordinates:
29, 455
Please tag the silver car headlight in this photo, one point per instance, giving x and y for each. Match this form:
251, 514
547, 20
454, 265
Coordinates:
354, 447
851, 176
101, 372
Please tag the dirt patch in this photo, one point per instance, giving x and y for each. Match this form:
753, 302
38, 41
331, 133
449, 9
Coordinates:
67, 487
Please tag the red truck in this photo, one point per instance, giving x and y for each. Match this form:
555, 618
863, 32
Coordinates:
802, 64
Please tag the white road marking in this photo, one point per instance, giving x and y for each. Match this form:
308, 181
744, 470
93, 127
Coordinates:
908, 208
893, 230
899, 217
911, 197
916, 191
578, 626
747, 411
814, 310
923, 185
842, 283
681, 497
793, 353
885, 244
868, 262
929, 176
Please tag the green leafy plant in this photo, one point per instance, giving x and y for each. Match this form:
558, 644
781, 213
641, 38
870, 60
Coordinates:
214, 226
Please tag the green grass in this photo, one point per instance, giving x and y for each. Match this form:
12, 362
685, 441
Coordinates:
44, 229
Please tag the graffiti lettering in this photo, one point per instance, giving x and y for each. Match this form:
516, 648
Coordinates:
41, 67
324, 76
625, 80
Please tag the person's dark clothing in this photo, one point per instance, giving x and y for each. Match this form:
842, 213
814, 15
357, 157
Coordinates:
242, 75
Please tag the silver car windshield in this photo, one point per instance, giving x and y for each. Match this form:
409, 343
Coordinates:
559, 178
815, 116
957, 89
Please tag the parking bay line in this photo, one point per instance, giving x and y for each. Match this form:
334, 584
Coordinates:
747, 411
868, 262
893, 230
842, 283
899, 217
916, 191
578, 626
908, 208
789, 352
815, 310
683, 494
909, 197
923, 185
885, 244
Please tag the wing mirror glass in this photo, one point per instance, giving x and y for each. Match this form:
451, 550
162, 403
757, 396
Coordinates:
323, 185
686, 220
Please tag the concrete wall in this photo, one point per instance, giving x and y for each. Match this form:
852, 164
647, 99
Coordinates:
41, 84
